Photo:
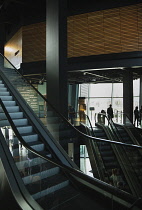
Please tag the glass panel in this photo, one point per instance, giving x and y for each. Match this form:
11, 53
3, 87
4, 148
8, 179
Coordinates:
100, 104
136, 102
56, 124
107, 158
116, 164
43, 180
117, 90
100, 90
136, 87
113, 162
37, 174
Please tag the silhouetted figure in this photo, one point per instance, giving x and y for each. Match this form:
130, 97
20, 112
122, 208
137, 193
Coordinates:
140, 115
71, 113
110, 112
136, 114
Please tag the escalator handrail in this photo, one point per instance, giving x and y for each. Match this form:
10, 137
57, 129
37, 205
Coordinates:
87, 119
72, 171
112, 126
45, 99
126, 116
69, 124
67, 168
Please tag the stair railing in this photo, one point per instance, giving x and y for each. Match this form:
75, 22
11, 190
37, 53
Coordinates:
94, 184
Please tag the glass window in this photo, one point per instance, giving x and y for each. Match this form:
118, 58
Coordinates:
100, 96
117, 89
100, 103
100, 90
136, 102
136, 87
117, 104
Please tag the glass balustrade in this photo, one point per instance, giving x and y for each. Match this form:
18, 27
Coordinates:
109, 158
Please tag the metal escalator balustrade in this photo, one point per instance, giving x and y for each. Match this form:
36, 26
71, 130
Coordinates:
51, 184
43, 139
110, 158
57, 125
134, 132
108, 152
132, 156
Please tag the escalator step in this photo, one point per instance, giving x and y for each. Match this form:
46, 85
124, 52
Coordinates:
59, 197
43, 184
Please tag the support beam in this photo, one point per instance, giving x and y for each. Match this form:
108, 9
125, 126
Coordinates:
2, 38
140, 102
128, 93
56, 54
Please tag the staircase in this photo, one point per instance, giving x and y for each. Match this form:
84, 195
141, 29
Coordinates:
46, 172
106, 151
47, 183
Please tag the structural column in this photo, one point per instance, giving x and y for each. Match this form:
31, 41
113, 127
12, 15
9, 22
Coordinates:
140, 102
73, 95
2, 38
128, 93
56, 54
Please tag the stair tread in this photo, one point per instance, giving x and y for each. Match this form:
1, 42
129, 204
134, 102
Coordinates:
29, 134
45, 183
69, 198
37, 168
60, 196
34, 143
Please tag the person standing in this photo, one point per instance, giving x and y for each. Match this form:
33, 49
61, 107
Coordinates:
140, 115
71, 113
136, 115
110, 112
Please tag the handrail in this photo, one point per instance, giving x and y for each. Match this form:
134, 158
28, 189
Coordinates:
45, 99
49, 159
122, 113
84, 135
64, 167
73, 171
87, 119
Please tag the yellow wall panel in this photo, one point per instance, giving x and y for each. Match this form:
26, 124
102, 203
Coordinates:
108, 31
13, 49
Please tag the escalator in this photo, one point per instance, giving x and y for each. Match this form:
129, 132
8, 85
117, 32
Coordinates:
36, 172
107, 151
42, 182
126, 130
127, 134
132, 157
105, 158
135, 133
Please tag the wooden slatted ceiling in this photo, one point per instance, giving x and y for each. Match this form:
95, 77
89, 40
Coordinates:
108, 31
34, 42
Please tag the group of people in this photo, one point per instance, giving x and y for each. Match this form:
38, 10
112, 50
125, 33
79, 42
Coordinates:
71, 113
137, 116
